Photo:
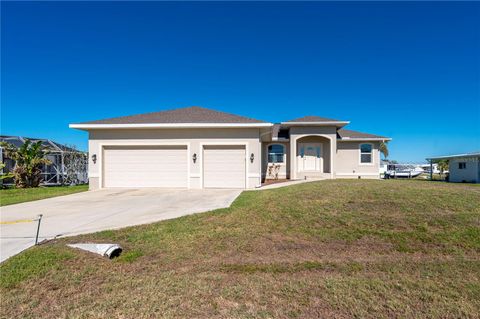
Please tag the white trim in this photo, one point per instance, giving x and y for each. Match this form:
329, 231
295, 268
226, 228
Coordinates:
100, 156
319, 123
167, 125
253, 176
372, 163
194, 175
247, 159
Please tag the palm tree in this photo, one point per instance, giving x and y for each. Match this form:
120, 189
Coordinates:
383, 148
29, 159
4, 175
442, 166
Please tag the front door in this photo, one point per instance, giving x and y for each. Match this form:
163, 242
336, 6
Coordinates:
310, 157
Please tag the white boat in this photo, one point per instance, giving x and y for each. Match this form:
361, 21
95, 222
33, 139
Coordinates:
403, 171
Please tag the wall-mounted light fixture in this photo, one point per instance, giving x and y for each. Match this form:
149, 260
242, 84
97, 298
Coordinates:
194, 157
252, 157
94, 158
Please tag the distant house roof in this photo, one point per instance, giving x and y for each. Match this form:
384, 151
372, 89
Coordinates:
473, 154
193, 114
50, 145
349, 134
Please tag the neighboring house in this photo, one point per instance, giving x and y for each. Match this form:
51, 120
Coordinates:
196, 147
463, 168
54, 173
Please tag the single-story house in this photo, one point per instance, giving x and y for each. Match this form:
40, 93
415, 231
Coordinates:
196, 147
462, 168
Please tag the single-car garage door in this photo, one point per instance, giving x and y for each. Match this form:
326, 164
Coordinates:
224, 166
145, 166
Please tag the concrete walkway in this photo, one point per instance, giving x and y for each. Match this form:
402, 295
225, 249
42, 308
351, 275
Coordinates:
100, 210
284, 184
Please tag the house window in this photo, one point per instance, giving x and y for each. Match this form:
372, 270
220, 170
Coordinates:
275, 153
462, 165
366, 153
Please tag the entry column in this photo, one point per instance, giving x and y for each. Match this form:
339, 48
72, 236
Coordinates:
293, 157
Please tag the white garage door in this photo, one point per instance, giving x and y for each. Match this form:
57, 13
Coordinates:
224, 166
155, 166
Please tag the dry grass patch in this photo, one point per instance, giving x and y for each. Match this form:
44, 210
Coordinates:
340, 248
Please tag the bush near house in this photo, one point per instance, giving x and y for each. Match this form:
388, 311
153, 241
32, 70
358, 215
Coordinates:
29, 158
336, 248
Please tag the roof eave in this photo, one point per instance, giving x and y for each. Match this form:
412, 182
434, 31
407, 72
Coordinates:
86, 126
317, 123
454, 156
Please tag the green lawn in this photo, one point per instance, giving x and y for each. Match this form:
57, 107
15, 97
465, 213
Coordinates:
19, 195
337, 248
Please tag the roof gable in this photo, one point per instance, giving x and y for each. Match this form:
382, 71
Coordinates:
311, 118
192, 114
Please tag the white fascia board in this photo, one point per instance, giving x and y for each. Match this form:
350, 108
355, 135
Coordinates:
167, 125
454, 156
343, 123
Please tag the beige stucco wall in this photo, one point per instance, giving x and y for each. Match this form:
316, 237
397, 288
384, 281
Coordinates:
470, 174
348, 161
284, 170
194, 138
327, 132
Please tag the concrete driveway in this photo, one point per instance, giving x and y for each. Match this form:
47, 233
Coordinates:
100, 210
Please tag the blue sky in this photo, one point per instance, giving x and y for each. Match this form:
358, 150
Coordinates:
410, 71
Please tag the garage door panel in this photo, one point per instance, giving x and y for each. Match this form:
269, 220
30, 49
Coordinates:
224, 167
145, 167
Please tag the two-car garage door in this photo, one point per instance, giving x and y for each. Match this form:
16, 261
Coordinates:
167, 166
145, 166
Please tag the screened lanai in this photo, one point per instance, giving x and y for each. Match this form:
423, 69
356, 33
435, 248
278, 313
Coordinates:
68, 165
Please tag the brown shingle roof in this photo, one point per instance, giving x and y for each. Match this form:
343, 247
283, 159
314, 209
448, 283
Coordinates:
313, 119
342, 133
192, 114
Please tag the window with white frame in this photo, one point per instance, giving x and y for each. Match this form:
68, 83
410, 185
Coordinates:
275, 153
366, 155
462, 165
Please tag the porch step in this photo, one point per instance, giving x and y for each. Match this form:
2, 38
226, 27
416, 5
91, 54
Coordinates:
314, 176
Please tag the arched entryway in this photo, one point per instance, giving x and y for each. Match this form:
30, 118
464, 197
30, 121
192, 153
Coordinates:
313, 156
